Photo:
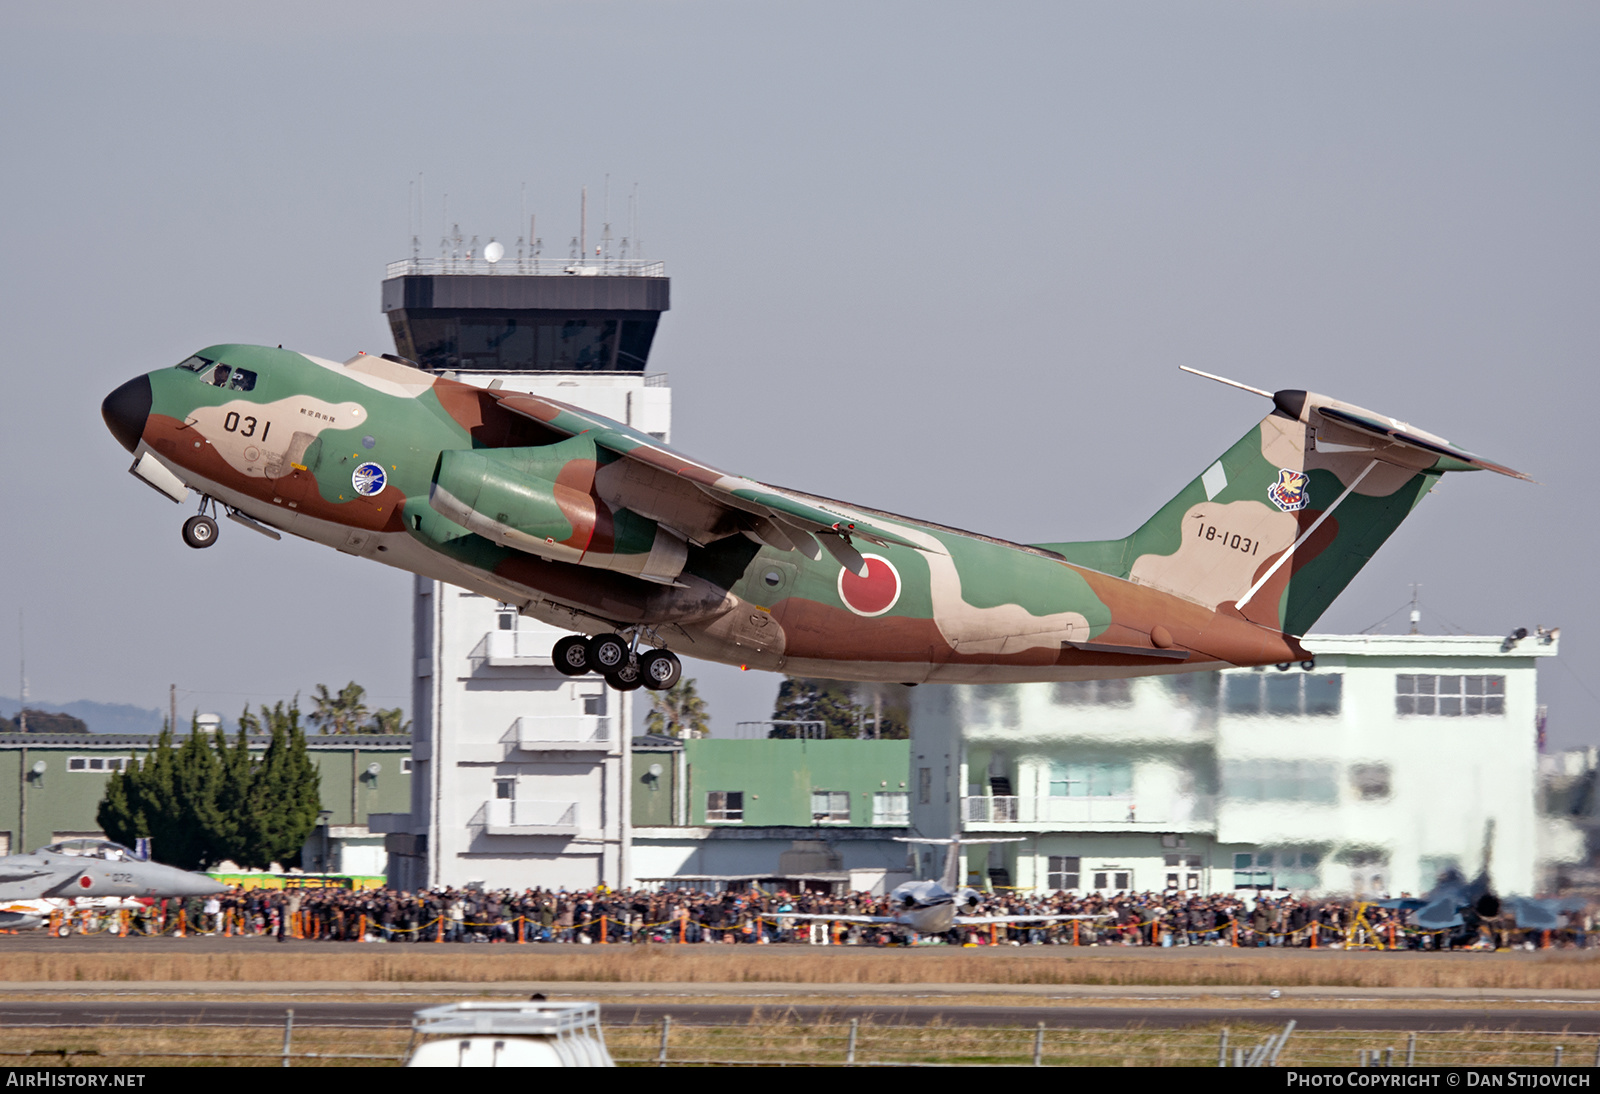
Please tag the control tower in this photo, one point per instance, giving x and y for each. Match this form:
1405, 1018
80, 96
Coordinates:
520, 774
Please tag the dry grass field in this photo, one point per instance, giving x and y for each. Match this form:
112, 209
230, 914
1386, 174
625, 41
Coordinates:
788, 1042
799, 965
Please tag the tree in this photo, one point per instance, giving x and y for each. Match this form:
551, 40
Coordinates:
341, 713
388, 721
678, 712
45, 721
207, 800
846, 710
283, 800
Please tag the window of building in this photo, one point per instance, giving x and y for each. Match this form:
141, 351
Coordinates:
1064, 872
1194, 689
1115, 693
893, 807
725, 805
405, 766
594, 704
508, 621
1370, 781
830, 807
1110, 780
505, 789
924, 786
1309, 781
1277, 694
1118, 880
1449, 696
1183, 873
1277, 868
98, 763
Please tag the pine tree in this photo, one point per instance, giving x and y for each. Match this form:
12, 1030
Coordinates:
207, 801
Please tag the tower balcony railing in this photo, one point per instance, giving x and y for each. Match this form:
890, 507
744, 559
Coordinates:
512, 649
562, 731
478, 266
529, 817
1112, 812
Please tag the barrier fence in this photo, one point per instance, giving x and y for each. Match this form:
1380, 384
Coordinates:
766, 928
826, 1043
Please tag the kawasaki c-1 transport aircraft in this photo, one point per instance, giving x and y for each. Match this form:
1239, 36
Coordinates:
596, 528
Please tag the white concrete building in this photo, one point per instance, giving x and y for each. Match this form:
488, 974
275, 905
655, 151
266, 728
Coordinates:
520, 774
1369, 774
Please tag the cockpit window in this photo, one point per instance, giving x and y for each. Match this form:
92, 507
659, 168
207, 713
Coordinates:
223, 376
92, 848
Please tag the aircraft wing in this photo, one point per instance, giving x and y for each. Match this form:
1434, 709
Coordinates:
838, 918
1541, 915
973, 920
780, 518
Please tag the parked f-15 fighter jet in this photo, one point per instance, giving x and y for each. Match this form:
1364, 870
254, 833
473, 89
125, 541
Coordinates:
87, 868
587, 524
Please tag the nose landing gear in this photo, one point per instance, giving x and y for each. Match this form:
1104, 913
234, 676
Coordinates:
201, 530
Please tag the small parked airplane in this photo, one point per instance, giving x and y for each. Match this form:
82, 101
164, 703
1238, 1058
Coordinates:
78, 868
1463, 907
932, 907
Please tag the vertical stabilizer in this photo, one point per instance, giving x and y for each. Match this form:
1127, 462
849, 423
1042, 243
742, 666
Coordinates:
1280, 523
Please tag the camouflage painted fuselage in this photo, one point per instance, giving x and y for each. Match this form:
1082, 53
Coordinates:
588, 525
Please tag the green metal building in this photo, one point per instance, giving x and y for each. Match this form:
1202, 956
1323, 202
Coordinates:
818, 813
51, 786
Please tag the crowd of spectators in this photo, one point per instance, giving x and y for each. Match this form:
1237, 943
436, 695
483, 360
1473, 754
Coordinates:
1246, 919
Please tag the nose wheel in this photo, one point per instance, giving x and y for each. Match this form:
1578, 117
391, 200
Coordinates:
199, 531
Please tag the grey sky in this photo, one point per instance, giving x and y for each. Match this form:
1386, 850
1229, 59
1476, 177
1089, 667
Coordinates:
941, 259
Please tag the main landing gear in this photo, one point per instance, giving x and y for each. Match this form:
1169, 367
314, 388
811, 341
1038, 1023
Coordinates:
201, 530
612, 657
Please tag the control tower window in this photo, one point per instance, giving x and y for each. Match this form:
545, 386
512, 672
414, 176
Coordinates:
487, 341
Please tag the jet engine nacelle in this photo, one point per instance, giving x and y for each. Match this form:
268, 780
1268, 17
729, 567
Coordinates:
542, 500
968, 899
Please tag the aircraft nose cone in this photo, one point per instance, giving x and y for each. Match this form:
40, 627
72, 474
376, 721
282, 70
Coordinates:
125, 411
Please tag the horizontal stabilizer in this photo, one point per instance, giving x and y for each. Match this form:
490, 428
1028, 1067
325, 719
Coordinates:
1400, 433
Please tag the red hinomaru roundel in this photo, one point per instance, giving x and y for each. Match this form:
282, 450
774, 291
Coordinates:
873, 592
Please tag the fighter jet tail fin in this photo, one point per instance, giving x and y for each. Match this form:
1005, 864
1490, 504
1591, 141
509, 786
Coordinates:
1277, 526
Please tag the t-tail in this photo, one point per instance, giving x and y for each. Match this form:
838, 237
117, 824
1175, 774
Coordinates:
952, 855
1277, 526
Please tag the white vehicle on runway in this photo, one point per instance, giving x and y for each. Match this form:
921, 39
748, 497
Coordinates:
509, 1035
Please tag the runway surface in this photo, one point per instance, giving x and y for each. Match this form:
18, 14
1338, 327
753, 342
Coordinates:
127, 1013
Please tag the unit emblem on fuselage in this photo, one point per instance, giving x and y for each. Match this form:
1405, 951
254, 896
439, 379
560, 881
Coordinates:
1291, 491
368, 479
